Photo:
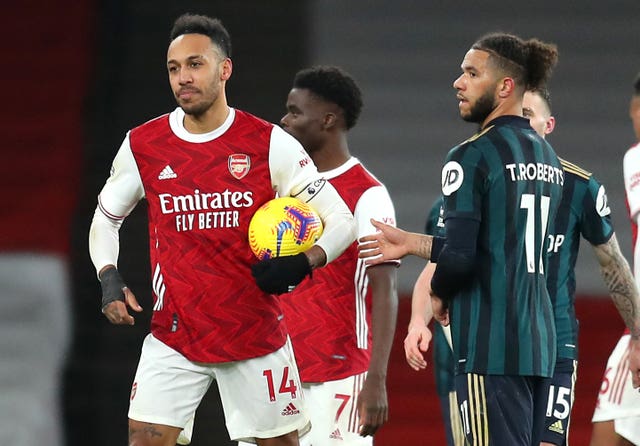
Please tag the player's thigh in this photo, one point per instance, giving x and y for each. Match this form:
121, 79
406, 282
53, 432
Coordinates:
603, 434
262, 397
292, 438
151, 434
628, 429
617, 398
167, 388
560, 402
333, 412
498, 410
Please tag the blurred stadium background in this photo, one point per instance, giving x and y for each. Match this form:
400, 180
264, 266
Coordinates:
80, 74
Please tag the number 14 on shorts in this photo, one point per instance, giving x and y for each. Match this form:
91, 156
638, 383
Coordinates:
287, 385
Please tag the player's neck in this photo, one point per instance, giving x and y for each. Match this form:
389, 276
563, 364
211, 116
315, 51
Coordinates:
510, 107
210, 120
334, 153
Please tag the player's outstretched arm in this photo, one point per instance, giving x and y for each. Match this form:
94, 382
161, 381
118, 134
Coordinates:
618, 277
416, 343
392, 243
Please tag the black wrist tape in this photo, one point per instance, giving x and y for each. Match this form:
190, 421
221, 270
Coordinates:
436, 246
112, 285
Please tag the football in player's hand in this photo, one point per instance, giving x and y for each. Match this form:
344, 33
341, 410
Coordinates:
283, 226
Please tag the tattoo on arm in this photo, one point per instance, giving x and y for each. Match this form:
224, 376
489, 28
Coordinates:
424, 246
618, 277
149, 431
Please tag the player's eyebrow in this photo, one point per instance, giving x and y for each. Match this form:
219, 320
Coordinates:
189, 59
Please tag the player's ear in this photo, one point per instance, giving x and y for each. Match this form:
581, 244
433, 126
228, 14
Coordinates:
227, 69
329, 120
506, 86
549, 125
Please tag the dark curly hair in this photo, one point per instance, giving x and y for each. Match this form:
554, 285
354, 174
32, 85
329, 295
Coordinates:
528, 62
636, 85
202, 24
333, 85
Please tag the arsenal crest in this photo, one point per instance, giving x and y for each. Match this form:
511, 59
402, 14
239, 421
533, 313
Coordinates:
239, 165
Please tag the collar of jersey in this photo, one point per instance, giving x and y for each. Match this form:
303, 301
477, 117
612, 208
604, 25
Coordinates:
176, 121
329, 174
513, 120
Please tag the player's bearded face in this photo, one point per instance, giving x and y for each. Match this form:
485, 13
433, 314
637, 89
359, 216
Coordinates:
205, 95
481, 108
195, 73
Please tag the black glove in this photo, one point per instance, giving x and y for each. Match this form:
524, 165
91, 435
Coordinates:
112, 285
281, 274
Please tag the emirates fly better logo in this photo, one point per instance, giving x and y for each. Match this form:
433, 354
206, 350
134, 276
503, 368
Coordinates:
239, 165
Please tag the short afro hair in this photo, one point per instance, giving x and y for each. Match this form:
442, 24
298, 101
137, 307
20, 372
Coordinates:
333, 85
202, 24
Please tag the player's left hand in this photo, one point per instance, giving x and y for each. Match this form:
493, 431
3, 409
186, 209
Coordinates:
634, 361
281, 274
373, 408
440, 310
117, 312
415, 344
117, 297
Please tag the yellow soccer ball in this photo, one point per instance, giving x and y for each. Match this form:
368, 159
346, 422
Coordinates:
283, 227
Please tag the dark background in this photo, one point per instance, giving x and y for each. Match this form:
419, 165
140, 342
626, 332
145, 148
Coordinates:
78, 75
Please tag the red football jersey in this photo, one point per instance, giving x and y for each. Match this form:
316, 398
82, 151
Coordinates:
202, 195
329, 315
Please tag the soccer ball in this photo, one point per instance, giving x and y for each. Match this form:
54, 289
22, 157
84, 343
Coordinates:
283, 227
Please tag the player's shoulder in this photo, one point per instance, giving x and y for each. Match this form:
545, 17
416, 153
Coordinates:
249, 125
471, 147
361, 172
475, 140
153, 124
632, 155
246, 117
474, 146
573, 170
353, 172
635, 148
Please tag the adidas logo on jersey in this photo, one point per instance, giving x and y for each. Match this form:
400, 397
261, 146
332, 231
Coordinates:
335, 435
290, 410
557, 427
167, 173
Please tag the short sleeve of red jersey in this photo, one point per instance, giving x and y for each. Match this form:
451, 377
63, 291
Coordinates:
374, 203
631, 166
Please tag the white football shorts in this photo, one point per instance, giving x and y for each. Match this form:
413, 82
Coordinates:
261, 397
334, 413
618, 400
